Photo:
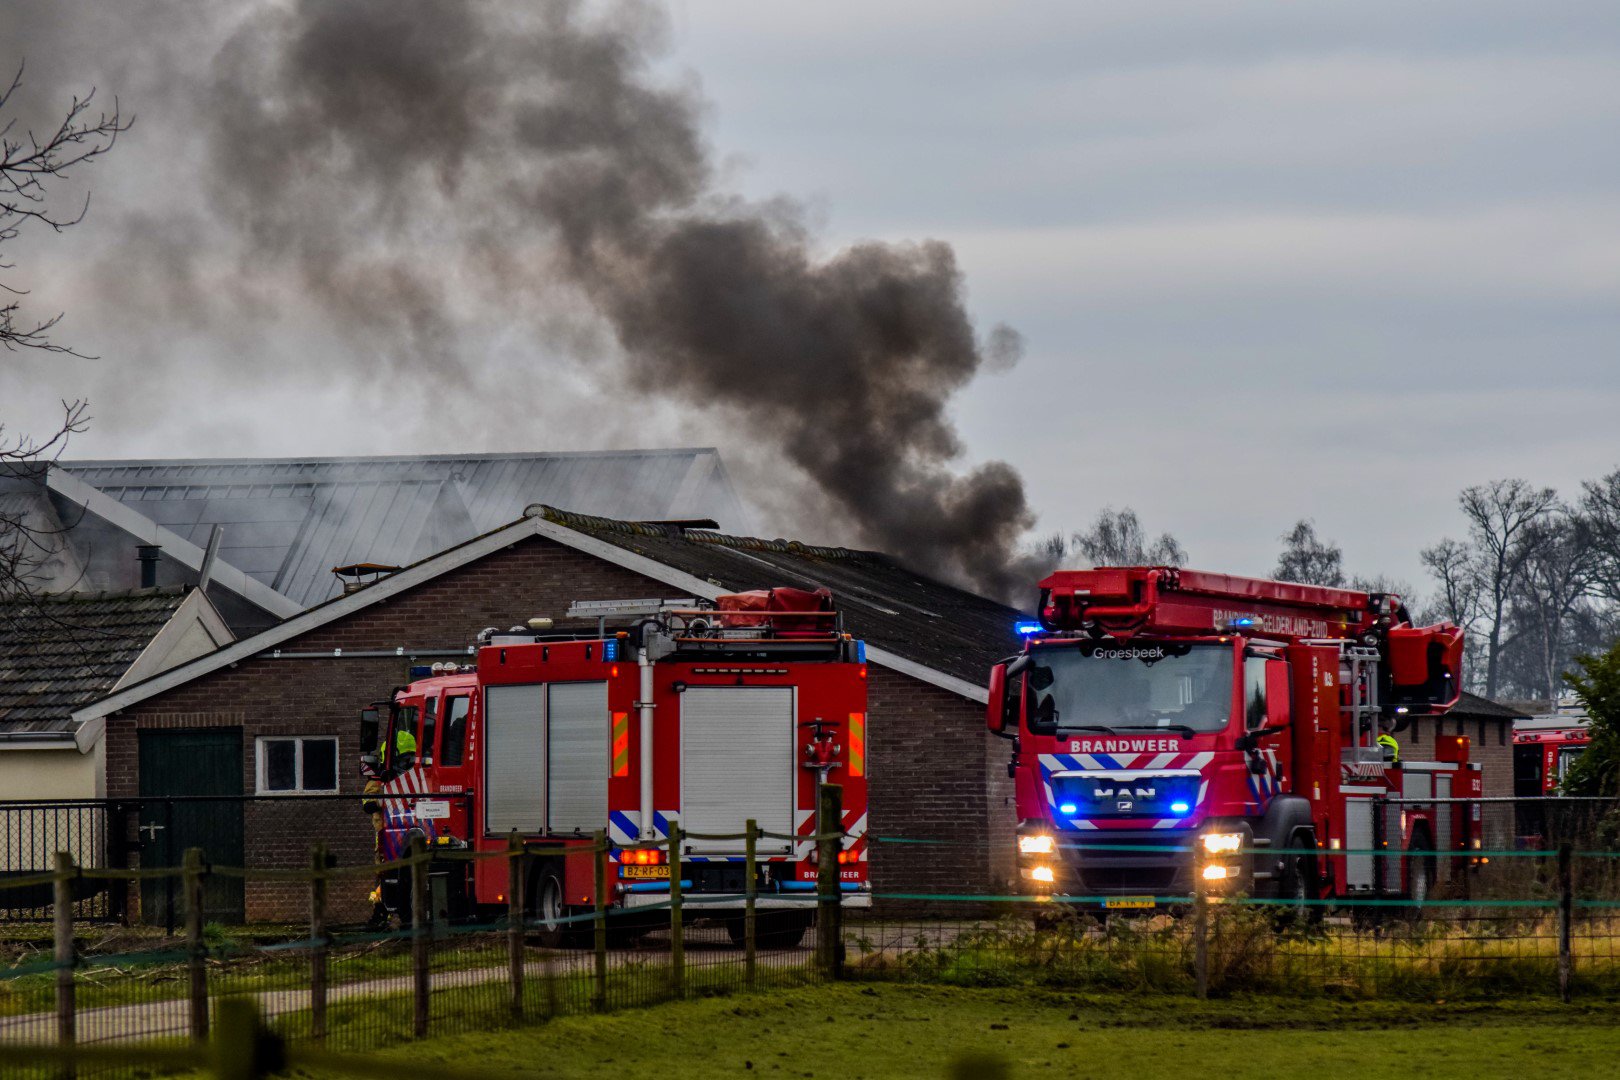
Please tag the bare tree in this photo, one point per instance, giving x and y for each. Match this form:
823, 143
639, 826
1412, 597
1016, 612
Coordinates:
1600, 508
1308, 559
1480, 579
1559, 575
1117, 538
29, 167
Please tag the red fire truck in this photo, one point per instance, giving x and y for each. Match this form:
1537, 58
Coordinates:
1156, 711
706, 715
1544, 747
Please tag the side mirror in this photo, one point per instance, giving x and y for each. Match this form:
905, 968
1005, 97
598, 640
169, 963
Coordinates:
370, 729
1001, 711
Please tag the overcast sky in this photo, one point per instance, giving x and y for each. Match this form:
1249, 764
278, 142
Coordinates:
1333, 260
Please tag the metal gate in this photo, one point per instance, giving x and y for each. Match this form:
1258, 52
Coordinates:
737, 763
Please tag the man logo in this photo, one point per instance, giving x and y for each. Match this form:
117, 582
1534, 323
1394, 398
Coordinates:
1125, 793
1123, 805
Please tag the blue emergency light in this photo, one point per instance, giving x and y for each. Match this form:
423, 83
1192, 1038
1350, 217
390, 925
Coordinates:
1068, 808
1179, 808
610, 650
1026, 627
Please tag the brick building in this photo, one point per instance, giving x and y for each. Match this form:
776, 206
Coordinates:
1489, 727
291, 695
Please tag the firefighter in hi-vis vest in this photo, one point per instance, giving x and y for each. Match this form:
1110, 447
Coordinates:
1387, 743
377, 777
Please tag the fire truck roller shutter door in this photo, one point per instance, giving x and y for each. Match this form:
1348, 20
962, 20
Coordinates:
577, 715
737, 762
514, 765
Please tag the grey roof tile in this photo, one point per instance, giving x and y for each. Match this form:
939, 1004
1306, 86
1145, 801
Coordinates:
928, 622
62, 652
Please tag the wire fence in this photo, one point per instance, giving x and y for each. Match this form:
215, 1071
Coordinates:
1499, 922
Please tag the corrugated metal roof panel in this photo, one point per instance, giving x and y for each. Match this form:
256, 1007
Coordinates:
288, 521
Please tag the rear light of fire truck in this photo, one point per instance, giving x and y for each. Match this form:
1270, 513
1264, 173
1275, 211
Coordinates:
642, 857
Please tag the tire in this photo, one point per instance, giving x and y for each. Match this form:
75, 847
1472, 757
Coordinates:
550, 908
1421, 875
1300, 884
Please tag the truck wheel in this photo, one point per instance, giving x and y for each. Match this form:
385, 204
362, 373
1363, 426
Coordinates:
1299, 885
1420, 874
550, 909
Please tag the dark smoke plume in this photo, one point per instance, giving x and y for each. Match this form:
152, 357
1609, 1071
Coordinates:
395, 157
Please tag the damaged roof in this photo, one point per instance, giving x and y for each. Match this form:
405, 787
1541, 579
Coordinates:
928, 622
59, 653
289, 521
911, 624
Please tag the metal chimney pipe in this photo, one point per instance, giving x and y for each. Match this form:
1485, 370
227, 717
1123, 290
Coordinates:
148, 554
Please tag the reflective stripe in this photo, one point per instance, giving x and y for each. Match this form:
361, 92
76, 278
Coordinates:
857, 744
621, 744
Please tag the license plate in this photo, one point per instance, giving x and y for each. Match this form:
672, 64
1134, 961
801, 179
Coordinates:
644, 873
1133, 902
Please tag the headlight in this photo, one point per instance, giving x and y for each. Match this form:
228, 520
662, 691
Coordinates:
1217, 843
1035, 845
1215, 873
1041, 873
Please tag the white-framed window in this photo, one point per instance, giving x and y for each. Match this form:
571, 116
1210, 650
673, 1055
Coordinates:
296, 764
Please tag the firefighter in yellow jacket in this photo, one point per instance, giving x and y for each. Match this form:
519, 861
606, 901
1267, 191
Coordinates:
377, 779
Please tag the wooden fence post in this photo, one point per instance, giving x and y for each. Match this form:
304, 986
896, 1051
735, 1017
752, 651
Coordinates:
514, 919
1566, 910
319, 946
677, 927
750, 894
829, 928
599, 858
196, 948
421, 934
1200, 918
62, 924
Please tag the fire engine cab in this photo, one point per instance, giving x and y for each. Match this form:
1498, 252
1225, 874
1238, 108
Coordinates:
709, 715
1164, 720
1544, 747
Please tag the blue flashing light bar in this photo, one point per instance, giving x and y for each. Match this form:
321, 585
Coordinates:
860, 652
1179, 808
1244, 622
1026, 627
1068, 808
610, 650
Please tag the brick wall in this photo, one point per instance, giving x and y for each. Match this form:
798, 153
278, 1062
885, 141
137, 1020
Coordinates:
929, 759
1491, 746
936, 774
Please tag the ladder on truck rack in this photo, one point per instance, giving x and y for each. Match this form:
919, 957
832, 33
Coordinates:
1358, 679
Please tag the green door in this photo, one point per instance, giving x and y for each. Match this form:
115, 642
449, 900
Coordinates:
200, 762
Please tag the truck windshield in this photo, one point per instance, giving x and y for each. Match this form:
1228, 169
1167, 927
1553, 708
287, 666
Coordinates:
1130, 686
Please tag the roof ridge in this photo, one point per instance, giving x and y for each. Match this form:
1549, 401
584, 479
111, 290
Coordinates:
97, 596
575, 520
347, 459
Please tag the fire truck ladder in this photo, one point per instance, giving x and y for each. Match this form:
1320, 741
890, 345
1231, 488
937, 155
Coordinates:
1358, 673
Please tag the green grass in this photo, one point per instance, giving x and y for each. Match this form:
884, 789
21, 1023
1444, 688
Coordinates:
888, 1030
